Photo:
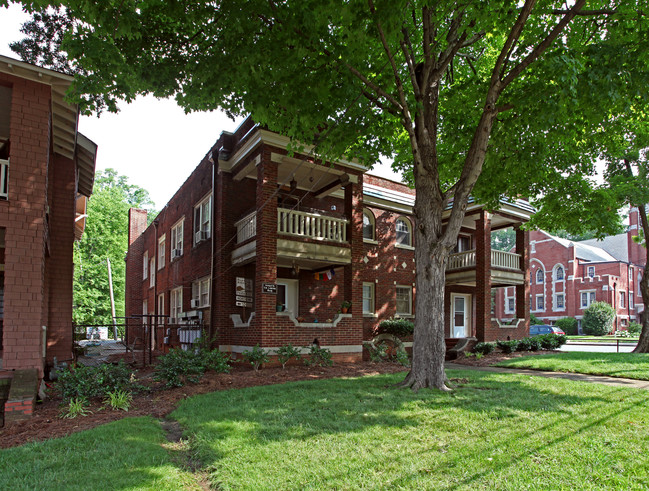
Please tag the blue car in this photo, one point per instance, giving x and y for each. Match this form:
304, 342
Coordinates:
544, 329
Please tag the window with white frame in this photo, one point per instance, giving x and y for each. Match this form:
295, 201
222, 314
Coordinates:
510, 301
202, 220
587, 298
145, 312
539, 303
559, 301
152, 272
201, 293
369, 226
591, 271
622, 299
176, 238
175, 304
539, 276
404, 232
631, 300
145, 265
404, 300
463, 244
368, 298
161, 304
162, 245
558, 273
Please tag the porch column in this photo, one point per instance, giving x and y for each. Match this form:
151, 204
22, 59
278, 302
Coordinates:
523, 291
352, 272
483, 277
266, 259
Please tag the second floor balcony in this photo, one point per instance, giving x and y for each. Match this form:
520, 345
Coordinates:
506, 268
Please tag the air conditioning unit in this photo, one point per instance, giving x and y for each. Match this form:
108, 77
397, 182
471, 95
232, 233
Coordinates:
172, 320
176, 253
198, 237
195, 303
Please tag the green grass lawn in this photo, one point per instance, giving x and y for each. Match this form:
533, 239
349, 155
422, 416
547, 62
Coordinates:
626, 365
494, 431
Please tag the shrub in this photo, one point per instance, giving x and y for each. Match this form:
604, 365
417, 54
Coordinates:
397, 327
77, 406
286, 352
635, 328
214, 360
484, 348
119, 399
378, 352
534, 343
318, 357
552, 341
524, 344
179, 367
256, 357
568, 325
507, 346
598, 319
622, 334
81, 382
402, 358
535, 321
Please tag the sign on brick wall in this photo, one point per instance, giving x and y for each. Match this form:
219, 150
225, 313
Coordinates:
243, 292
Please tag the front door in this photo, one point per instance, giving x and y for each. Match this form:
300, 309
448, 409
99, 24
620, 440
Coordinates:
460, 305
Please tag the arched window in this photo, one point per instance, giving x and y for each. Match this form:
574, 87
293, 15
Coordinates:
404, 233
539, 276
369, 227
558, 273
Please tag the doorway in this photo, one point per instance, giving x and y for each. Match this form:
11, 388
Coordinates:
460, 315
287, 295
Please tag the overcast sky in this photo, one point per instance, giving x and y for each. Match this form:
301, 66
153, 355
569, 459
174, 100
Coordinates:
151, 141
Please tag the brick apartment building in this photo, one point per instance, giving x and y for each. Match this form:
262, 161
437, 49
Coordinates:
567, 276
46, 176
262, 247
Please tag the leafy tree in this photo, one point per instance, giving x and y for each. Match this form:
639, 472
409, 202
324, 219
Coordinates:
598, 319
568, 324
503, 240
105, 236
452, 90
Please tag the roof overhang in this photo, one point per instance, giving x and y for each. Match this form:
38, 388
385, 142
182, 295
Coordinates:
86, 156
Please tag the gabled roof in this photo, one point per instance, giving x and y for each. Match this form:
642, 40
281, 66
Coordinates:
615, 245
584, 251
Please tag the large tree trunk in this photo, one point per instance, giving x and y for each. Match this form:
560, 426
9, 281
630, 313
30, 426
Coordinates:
643, 342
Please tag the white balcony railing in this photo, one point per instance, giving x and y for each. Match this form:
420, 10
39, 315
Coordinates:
246, 227
4, 179
311, 225
499, 259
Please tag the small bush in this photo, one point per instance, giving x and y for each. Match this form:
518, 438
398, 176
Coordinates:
402, 358
535, 321
256, 357
552, 341
83, 382
286, 352
215, 360
568, 325
77, 406
598, 319
179, 367
534, 343
119, 399
318, 357
622, 334
635, 328
378, 352
524, 344
507, 346
484, 348
397, 327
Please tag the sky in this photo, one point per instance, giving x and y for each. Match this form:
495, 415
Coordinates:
151, 141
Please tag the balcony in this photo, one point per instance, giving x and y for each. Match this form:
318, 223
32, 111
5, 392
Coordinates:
292, 227
506, 268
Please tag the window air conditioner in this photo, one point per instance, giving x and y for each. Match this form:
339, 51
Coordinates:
176, 253
194, 303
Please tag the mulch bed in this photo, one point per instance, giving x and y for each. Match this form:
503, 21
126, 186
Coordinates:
159, 402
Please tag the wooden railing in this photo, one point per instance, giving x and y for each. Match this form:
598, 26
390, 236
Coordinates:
246, 227
4, 179
499, 259
311, 225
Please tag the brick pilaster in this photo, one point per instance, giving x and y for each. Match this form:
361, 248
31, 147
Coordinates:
483, 276
523, 291
352, 272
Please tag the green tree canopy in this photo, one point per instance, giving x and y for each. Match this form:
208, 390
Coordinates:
105, 236
471, 97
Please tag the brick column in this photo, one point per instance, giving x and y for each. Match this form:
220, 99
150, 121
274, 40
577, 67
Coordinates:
133, 296
353, 280
523, 291
483, 276
266, 260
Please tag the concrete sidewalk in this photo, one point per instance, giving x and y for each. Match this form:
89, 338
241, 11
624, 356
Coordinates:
579, 377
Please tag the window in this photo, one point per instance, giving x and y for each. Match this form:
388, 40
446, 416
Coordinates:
510, 301
368, 298
558, 273
404, 300
175, 304
369, 226
591, 271
145, 312
152, 272
161, 304
587, 298
463, 244
201, 293
404, 235
630, 300
539, 276
559, 301
145, 264
162, 243
176, 238
539, 303
622, 299
202, 220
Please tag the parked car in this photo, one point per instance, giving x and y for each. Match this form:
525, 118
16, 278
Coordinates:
544, 329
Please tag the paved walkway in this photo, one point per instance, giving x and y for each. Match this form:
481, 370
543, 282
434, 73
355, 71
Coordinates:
580, 377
